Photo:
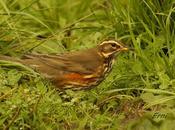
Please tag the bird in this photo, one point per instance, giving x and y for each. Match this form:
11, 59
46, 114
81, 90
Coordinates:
77, 70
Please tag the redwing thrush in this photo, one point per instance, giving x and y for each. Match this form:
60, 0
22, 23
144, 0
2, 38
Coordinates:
76, 70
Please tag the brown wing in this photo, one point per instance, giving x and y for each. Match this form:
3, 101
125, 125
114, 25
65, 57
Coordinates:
76, 68
85, 62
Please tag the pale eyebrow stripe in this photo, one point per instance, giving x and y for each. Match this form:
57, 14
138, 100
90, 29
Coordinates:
112, 41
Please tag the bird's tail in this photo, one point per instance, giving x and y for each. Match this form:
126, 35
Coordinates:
8, 58
16, 62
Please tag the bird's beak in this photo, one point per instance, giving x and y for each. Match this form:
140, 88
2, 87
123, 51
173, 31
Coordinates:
124, 49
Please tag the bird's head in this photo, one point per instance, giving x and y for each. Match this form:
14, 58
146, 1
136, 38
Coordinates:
109, 48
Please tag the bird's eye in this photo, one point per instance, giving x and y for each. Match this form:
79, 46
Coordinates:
113, 44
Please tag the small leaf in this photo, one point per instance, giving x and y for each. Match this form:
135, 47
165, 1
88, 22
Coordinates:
164, 80
13, 77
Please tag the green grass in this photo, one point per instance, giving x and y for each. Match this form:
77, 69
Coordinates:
141, 84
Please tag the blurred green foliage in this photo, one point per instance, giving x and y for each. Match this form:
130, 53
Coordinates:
138, 94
